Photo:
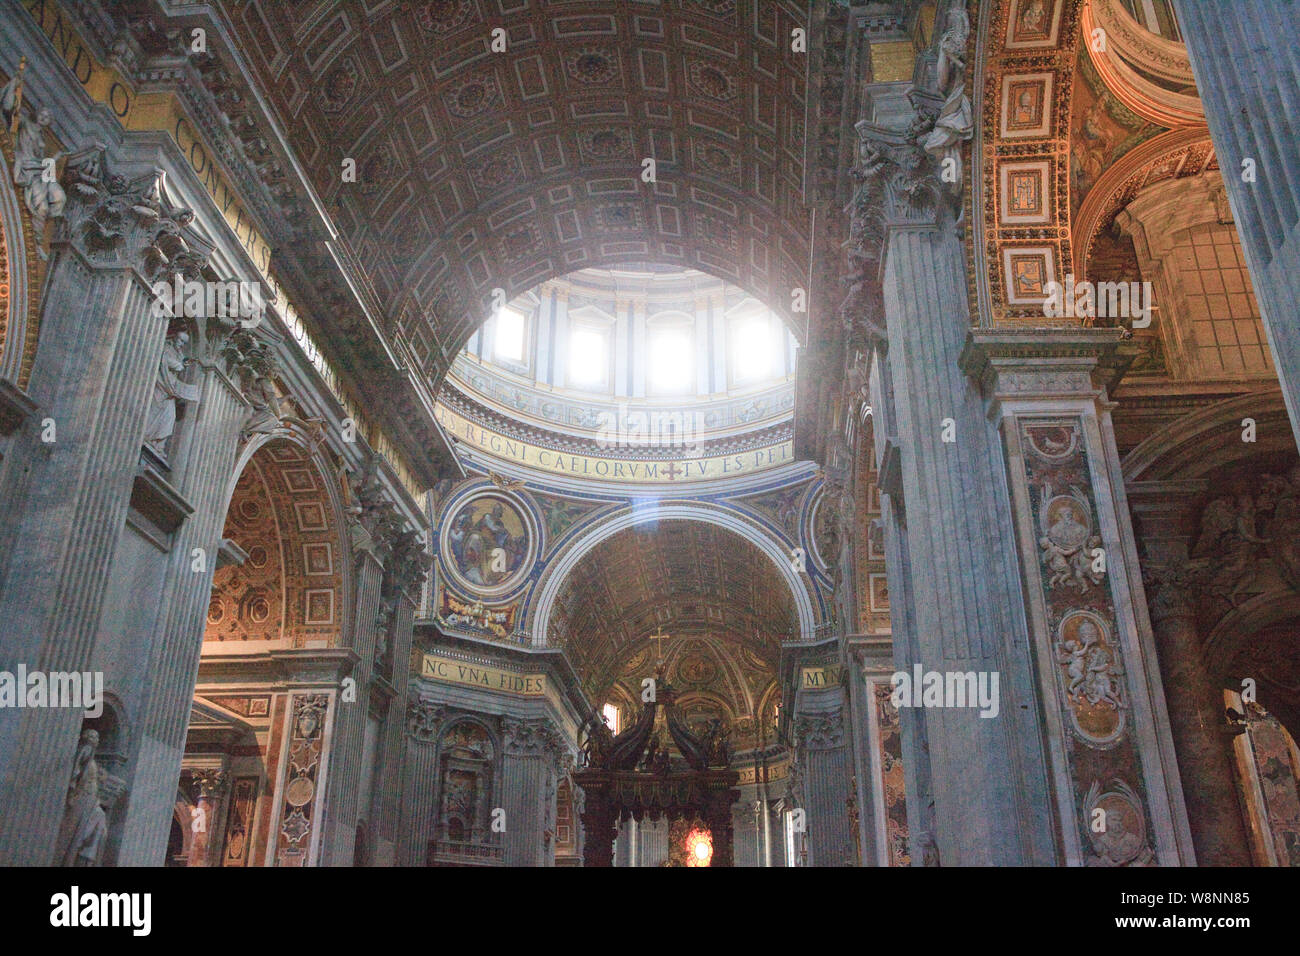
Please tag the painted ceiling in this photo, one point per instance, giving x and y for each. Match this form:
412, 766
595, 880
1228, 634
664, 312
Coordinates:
478, 169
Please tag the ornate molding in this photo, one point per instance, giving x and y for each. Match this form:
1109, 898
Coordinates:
909, 176
128, 223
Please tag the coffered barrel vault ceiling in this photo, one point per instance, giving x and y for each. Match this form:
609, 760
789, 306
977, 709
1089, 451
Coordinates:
687, 577
479, 169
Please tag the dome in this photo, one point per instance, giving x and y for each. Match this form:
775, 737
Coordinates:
639, 363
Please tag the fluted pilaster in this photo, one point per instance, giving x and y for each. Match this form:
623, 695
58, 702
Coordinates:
344, 798
423, 720
1248, 79
202, 468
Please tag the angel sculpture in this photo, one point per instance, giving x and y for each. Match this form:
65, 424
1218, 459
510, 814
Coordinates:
595, 751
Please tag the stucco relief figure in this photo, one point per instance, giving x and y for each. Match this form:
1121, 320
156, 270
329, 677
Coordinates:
1230, 539
168, 391
1283, 493
1092, 677
1067, 541
84, 824
1123, 839
1089, 666
954, 124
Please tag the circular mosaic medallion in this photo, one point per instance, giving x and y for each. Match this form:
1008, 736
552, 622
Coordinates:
488, 543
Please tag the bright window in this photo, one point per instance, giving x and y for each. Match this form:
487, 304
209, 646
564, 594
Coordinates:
611, 715
588, 356
752, 349
509, 342
672, 359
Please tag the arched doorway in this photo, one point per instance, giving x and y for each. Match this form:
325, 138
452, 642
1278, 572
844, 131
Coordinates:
274, 663
694, 607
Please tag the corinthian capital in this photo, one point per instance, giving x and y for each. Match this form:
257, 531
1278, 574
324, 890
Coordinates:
128, 223
911, 171
423, 718
820, 731
532, 738
208, 783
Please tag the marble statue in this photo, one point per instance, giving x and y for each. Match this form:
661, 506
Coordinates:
955, 123
168, 391
33, 168
265, 417
84, 824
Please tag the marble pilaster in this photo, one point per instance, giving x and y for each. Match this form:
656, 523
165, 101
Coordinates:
201, 462
530, 771
423, 721
344, 797
977, 786
1103, 704
825, 760
94, 371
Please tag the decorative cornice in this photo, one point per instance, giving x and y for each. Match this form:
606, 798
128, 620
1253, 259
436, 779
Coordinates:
493, 420
1046, 363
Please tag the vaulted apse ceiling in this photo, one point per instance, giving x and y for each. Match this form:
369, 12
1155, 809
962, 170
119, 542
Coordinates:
688, 577
479, 169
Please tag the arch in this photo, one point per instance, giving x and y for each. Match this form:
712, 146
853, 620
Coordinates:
454, 720
300, 591
1181, 448
561, 565
1235, 629
1131, 45
1258, 640
20, 272
1126, 176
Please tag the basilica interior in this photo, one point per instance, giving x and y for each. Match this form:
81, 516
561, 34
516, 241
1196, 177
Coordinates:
753, 433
